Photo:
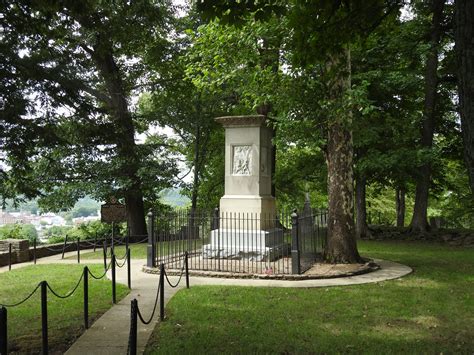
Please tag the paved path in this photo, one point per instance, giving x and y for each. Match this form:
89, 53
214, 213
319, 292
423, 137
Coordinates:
109, 334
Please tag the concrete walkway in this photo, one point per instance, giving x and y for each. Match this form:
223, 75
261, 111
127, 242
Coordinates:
109, 334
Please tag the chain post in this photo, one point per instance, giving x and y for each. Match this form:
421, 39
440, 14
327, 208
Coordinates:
86, 297
114, 290
162, 292
151, 250
64, 246
133, 327
9, 256
104, 252
3, 331
95, 241
34, 251
78, 251
129, 270
187, 269
44, 316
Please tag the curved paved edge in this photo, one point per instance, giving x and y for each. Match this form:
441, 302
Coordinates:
389, 270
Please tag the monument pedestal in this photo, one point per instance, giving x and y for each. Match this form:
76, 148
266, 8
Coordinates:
253, 245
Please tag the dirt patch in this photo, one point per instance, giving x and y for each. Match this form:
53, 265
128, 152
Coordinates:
317, 271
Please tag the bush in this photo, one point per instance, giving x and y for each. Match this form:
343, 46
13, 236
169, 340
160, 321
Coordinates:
18, 231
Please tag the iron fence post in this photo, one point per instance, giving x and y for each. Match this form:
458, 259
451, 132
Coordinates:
133, 327
104, 252
112, 245
95, 241
151, 250
215, 218
86, 297
187, 269
64, 246
295, 250
129, 268
114, 291
44, 316
3, 331
78, 251
162, 292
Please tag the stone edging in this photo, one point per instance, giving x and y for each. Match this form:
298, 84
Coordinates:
366, 268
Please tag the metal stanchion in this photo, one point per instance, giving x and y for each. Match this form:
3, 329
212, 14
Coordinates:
129, 269
187, 269
162, 293
133, 327
3, 331
78, 251
64, 246
9, 256
34, 251
86, 297
114, 291
44, 316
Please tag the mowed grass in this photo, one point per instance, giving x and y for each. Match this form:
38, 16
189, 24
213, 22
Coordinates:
429, 311
65, 316
139, 251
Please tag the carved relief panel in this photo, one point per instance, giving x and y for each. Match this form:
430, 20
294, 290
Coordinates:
241, 160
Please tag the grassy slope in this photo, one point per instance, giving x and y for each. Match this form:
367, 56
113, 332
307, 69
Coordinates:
430, 311
138, 251
65, 316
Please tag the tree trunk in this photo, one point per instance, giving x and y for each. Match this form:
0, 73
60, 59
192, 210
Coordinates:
362, 229
341, 245
125, 134
419, 220
197, 171
400, 206
464, 34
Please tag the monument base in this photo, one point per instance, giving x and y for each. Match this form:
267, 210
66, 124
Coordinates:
254, 245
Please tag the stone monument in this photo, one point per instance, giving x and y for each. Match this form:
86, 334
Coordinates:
247, 210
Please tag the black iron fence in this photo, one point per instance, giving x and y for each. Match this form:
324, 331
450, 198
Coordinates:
237, 242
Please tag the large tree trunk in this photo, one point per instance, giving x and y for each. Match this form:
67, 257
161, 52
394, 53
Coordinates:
419, 220
362, 229
464, 34
197, 171
341, 245
400, 206
125, 133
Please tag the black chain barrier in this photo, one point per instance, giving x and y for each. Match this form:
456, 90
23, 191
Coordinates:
85, 243
23, 301
44, 286
135, 312
69, 294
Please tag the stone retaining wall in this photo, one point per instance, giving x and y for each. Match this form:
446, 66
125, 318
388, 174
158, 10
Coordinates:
22, 251
454, 237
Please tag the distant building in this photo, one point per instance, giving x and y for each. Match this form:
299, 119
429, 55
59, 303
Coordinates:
9, 218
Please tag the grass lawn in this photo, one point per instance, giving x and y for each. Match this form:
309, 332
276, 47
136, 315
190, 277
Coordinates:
65, 316
429, 311
137, 251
